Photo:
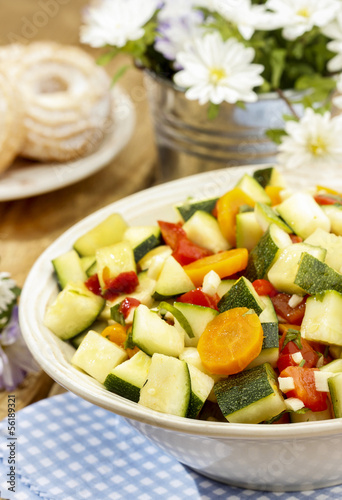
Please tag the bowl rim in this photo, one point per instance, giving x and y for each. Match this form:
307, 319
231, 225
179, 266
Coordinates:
31, 299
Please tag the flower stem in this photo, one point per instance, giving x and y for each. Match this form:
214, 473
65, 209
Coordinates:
288, 103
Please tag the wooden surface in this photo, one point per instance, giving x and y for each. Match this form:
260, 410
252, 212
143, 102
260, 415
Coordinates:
28, 226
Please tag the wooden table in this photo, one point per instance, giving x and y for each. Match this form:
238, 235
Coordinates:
28, 226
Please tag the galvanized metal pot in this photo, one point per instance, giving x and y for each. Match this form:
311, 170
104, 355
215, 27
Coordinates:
188, 142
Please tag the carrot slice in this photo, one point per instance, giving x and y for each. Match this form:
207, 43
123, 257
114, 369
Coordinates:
223, 263
231, 341
115, 333
227, 208
274, 193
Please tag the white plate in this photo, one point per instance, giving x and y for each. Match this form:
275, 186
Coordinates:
279, 457
25, 178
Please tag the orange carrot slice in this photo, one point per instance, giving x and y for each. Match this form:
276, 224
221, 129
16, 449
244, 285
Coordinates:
115, 333
223, 263
231, 341
227, 208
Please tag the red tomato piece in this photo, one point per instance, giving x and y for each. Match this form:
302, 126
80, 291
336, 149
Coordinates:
293, 315
305, 387
123, 283
199, 298
171, 233
214, 211
186, 252
93, 284
264, 287
285, 353
127, 304
327, 199
295, 238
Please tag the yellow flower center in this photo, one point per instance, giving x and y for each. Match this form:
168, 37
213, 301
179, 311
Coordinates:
216, 74
318, 147
304, 12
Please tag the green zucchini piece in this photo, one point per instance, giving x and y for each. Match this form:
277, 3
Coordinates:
335, 389
265, 215
68, 268
162, 251
114, 260
108, 232
98, 326
179, 316
283, 273
241, 294
172, 280
264, 253
269, 176
142, 239
303, 214
153, 335
251, 396
314, 276
322, 321
74, 310
224, 286
197, 317
270, 346
332, 244
97, 356
189, 207
334, 366
87, 264
204, 230
168, 386
310, 416
248, 230
128, 378
201, 386
334, 214
253, 189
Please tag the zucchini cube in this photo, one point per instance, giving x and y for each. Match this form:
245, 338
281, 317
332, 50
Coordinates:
251, 396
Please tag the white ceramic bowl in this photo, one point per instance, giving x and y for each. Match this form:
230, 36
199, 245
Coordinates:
283, 457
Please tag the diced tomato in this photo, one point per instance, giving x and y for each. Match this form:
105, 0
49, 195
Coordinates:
264, 287
295, 238
285, 353
171, 233
305, 387
127, 304
214, 211
199, 298
293, 315
123, 283
93, 284
327, 199
186, 252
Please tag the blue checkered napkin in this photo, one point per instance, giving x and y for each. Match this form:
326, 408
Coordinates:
68, 449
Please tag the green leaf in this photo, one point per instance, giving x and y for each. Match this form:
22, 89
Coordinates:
119, 74
213, 111
106, 58
277, 61
275, 134
117, 315
292, 335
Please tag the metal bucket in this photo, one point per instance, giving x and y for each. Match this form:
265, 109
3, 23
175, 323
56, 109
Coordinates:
188, 142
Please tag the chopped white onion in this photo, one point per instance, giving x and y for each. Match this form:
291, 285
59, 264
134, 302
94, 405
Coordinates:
321, 380
286, 384
211, 283
297, 357
320, 362
294, 404
295, 300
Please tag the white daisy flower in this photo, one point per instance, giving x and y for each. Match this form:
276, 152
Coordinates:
337, 99
246, 16
175, 9
218, 71
314, 141
115, 22
300, 16
7, 296
334, 30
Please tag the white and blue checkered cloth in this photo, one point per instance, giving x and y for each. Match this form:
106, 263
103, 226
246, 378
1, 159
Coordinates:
69, 449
